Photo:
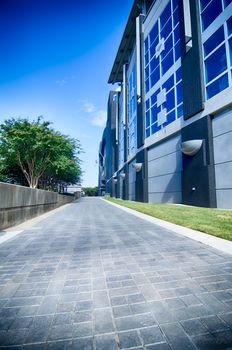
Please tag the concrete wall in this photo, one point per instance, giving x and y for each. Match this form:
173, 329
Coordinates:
222, 134
18, 203
164, 172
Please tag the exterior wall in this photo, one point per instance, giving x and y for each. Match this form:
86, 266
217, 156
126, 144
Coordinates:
222, 135
164, 172
20, 203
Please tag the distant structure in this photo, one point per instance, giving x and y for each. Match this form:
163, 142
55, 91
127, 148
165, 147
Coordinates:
75, 190
168, 136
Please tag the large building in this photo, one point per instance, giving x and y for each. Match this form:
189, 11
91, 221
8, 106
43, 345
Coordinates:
168, 136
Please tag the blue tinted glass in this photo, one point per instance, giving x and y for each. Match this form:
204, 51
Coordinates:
166, 14
176, 34
146, 58
204, 3
155, 76
177, 51
227, 2
169, 83
147, 119
153, 33
217, 86
230, 45
216, 63
153, 47
170, 102
170, 118
180, 111
178, 75
146, 72
167, 62
212, 11
154, 111
229, 25
154, 97
175, 17
147, 104
214, 41
166, 30
147, 85
155, 128
168, 46
148, 133
146, 44
179, 93
154, 63
174, 4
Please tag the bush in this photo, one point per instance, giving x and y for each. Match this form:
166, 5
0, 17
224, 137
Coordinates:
90, 191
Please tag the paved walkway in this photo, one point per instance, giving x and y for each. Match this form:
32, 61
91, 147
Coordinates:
92, 276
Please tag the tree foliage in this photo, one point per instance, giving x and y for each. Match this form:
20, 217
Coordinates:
90, 191
36, 153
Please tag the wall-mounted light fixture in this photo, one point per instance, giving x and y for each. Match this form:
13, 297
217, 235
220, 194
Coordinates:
122, 175
137, 166
191, 147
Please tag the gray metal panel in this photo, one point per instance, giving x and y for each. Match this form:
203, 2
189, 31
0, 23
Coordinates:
169, 146
222, 123
131, 184
224, 199
165, 183
170, 163
167, 197
223, 175
223, 148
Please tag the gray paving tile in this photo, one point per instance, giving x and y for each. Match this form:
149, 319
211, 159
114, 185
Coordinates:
129, 340
106, 342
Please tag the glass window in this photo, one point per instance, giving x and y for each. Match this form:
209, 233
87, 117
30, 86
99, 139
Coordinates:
153, 47
229, 25
154, 97
227, 2
179, 93
146, 72
148, 133
168, 84
155, 128
170, 118
170, 103
175, 17
177, 51
146, 58
178, 75
167, 62
217, 86
174, 4
166, 14
211, 12
153, 33
155, 76
148, 118
154, 63
154, 111
147, 104
216, 63
204, 3
180, 111
168, 46
230, 45
216, 39
167, 29
176, 34
147, 85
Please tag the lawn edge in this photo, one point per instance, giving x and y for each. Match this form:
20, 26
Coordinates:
218, 243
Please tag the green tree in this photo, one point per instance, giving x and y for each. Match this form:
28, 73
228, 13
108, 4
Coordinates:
90, 191
38, 152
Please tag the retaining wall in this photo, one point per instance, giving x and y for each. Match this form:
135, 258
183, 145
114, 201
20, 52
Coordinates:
19, 203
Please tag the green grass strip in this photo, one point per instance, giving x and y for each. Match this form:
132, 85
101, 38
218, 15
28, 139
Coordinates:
215, 222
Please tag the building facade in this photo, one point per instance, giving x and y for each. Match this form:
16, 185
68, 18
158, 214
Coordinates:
168, 136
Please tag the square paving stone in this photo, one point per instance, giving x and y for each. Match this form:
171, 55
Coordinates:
21, 322
135, 321
83, 329
83, 316
60, 332
83, 344
120, 311
151, 335
106, 342
194, 327
103, 321
65, 318
129, 339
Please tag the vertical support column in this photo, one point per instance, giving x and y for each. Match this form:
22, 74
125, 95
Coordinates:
140, 80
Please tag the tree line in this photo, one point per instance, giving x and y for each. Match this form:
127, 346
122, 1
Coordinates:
34, 154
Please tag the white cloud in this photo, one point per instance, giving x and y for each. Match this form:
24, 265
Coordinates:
87, 106
99, 118
61, 82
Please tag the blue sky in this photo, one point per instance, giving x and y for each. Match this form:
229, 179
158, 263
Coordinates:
55, 60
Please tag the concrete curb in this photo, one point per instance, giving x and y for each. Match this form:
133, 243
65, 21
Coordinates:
215, 242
